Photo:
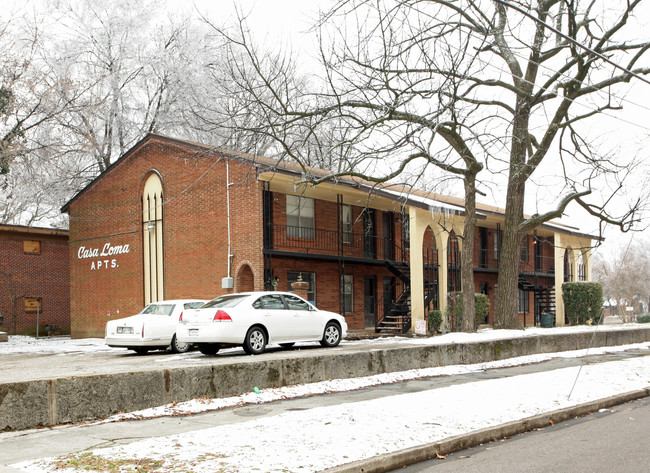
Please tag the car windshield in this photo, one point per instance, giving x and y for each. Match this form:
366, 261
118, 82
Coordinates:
192, 305
158, 309
225, 301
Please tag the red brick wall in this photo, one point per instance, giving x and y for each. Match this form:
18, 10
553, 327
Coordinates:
44, 276
327, 284
195, 231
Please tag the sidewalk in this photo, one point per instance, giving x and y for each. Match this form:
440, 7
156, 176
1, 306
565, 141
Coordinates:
378, 428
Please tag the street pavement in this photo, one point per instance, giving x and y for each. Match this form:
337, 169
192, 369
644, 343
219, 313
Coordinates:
613, 440
29, 445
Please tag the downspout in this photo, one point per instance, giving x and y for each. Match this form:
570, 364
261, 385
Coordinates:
228, 184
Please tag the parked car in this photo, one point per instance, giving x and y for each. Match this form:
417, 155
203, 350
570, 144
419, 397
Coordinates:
152, 329
255, 319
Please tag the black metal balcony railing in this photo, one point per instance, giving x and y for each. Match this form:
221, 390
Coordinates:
333, 242
484, 259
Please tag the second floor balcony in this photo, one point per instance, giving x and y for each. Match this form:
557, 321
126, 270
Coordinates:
318, 241
486, 260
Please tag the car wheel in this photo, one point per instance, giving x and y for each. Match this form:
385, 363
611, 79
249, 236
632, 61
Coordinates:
332, 335
141, 350
287, 345
255, 341
178, 347
209, 348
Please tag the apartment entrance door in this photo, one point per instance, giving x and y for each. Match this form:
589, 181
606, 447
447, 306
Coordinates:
370, 301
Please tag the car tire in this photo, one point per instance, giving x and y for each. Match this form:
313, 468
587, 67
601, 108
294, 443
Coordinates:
209, 348
178, 347
255, 341
141, 350
331, 335
287, 345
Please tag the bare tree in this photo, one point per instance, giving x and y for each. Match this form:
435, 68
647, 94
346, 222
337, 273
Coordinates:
81, 83
382, 108
625, 275
462, 85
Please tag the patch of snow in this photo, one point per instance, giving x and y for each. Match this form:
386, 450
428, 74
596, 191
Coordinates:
324, 437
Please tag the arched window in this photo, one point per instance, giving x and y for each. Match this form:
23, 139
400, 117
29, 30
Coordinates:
453, 263
568, 267
430, 270
152, 239
582, 275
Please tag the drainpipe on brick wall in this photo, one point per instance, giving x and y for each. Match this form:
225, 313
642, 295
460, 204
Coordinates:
228, 184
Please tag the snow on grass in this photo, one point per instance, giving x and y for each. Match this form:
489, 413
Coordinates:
323, 437
304, 441
261, 396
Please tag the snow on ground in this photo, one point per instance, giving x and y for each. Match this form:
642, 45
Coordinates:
260, 396
65, 345
51, 345
323, 437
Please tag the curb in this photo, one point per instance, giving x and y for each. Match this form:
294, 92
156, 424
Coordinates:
410, 456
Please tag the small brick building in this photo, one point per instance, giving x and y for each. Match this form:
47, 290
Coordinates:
34, 280
173, 219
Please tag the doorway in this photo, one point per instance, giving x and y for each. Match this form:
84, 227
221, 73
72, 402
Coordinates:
370, 301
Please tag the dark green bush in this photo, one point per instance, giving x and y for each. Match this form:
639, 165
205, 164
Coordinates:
435, 321
643, 318
583, 301
455, 309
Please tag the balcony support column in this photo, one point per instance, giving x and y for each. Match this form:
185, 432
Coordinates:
419, 219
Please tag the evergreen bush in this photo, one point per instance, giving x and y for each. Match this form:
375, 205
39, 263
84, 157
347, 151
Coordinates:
455, 309
435, 321
643, 318
583, 301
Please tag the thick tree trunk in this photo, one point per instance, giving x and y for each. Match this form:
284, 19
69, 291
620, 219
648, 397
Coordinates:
467, 254
505, 311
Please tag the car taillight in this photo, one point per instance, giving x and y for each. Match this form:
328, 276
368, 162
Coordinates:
180, 317
221, 316
142, 330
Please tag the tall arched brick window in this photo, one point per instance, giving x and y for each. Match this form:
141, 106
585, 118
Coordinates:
152, 239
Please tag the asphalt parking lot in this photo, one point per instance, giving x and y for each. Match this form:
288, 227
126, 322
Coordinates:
99, 359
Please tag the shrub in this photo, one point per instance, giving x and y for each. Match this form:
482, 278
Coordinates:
643, 318
455, 309
582, 301
435, 321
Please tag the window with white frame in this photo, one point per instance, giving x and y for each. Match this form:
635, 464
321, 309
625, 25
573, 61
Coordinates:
524, 249
346, 223
522, 304
307, 276
347, 283
300, 217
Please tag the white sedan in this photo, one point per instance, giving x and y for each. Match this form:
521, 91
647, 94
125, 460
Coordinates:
152, 329
254, 319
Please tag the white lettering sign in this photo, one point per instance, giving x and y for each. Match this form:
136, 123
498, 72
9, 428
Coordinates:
106, 250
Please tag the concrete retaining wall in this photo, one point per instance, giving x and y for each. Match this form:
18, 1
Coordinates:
72, 399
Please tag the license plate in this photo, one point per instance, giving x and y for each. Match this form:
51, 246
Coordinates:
128, 330
194, 332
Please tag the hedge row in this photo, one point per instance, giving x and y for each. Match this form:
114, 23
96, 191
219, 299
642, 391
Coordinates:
583, 301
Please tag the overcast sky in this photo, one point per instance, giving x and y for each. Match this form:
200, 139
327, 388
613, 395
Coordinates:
286, 23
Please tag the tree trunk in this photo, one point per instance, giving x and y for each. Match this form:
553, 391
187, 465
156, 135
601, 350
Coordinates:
467, 254
505, 311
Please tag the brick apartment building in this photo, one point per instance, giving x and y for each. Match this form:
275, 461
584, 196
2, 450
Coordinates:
173, 219
34, 280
